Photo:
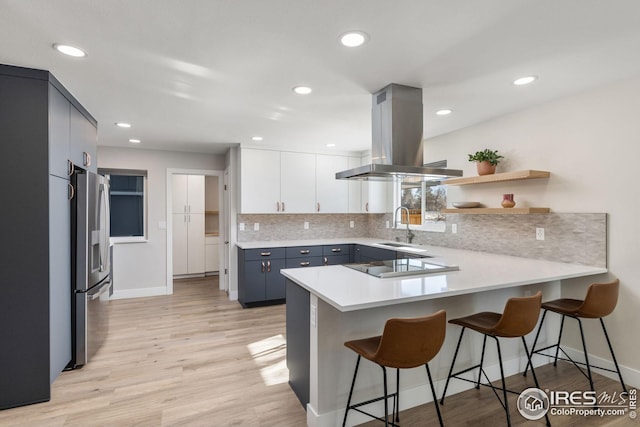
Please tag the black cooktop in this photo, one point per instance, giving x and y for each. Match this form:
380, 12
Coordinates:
401, 267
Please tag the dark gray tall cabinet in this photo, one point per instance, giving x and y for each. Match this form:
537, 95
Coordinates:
42, 129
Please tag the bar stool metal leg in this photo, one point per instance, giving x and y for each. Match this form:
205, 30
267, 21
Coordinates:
504, 385
455, 355
613, 356
433, 393
386, 407
484, 344
353, 382
535, 341
396, 400
555, 360
533, 372
586, 355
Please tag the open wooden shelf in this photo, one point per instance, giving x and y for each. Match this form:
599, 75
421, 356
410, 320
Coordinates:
499, 211
498, 177
211, 212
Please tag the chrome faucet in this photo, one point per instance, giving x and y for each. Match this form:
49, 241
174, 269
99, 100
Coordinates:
410, 234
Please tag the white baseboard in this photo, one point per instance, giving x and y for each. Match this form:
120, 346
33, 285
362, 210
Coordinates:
629, 375
139, 293
233, 295
420, 395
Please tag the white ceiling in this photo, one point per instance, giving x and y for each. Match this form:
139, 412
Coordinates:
200, 75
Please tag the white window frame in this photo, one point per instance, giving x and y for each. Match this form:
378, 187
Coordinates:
434, 226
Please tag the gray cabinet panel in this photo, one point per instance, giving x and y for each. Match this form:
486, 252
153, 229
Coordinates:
59, 276
298, 341
83, 140
274, 281
304, 251
58, 133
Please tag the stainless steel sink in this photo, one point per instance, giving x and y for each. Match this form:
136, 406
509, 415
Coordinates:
394, 245
401, 267
403, 246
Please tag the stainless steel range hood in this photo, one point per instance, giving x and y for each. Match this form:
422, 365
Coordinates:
396, 117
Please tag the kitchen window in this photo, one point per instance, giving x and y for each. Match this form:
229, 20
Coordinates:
128, 197
424, 201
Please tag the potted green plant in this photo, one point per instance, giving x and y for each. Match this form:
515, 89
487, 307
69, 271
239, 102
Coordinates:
486, 161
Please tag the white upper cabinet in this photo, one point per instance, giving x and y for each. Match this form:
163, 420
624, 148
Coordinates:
288, 182
297, 182
259, 181
355, 187
188, 194
332, 195
376, 195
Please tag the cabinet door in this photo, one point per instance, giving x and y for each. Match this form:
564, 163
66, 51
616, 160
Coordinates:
332, 195
337, 259
355, 188
83, 140
211, 254
297, 182
180, 244
58, 133
59, 276
275, 282
376, 195
195, 190
195, 243
254, 283
259, 181
179, 195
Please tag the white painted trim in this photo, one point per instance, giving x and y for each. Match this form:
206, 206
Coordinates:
169, 200
233, 295
629, 375
416, 396
139, 293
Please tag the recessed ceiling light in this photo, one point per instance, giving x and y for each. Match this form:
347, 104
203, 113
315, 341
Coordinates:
135, 141
353, 38
123, 125
444, 112
256, 138
331, 145
70, 50
302, 90
525, 80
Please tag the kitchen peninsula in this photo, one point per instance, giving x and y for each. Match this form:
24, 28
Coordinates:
329, 305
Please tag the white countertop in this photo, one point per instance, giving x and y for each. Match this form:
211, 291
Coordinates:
348, 290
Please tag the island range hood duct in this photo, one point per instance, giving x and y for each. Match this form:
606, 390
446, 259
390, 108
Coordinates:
396, 117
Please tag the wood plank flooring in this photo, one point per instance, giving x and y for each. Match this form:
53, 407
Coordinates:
197, 359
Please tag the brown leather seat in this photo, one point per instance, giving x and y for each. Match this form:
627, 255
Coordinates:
404, 344
600, 301
518, 318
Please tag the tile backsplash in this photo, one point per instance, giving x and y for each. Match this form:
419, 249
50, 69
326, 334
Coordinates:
569, 237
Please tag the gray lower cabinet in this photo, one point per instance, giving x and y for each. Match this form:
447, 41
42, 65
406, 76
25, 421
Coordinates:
35, 272
259, 278
363, 253
337, 254
298, 341
304, 256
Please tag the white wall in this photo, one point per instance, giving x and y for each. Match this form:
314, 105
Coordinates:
591, 144
140, 269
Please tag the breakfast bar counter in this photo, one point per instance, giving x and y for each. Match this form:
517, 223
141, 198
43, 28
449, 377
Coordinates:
329, 305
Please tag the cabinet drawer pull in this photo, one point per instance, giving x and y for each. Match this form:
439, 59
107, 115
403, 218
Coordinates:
336, 250
263, 266
366, 207
305, 251
326, 261
70, 167
318, 206
86, 158
268, 266
72, 192
265, 253
282, 206
277, 206
305, 264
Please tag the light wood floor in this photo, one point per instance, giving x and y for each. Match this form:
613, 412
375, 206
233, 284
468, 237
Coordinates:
197, 359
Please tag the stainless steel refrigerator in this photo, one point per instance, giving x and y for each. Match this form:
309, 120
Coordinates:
91, 265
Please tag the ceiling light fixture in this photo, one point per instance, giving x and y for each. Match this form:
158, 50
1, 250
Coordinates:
76, 52
444, 112
135, 141
331, 145
353, 38
256, 138
525, 80
302, 90
123, 125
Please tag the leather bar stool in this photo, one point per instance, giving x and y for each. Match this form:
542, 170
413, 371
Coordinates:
519, 317
404, 344
600, 301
